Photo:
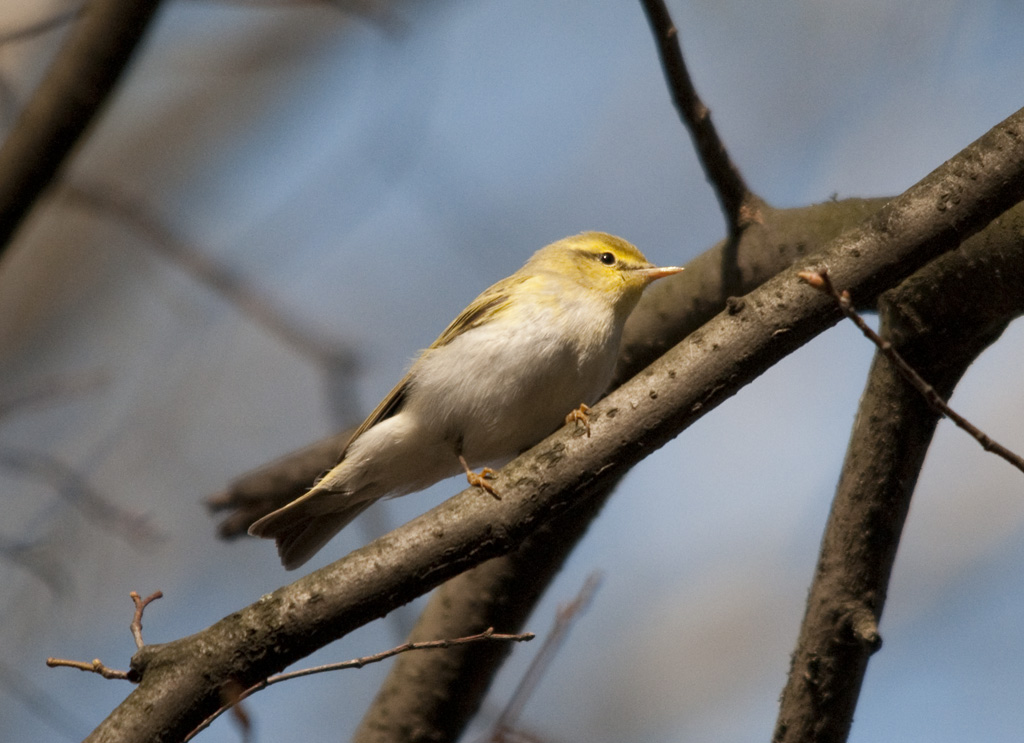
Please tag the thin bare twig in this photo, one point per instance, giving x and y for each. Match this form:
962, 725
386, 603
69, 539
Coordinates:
140, 606
504, 727
821, 280
95, 667
487, 635
740, 205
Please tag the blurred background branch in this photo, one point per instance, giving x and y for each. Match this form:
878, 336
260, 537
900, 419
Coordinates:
101, 44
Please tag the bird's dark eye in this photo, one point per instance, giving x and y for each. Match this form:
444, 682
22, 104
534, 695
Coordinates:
607, 259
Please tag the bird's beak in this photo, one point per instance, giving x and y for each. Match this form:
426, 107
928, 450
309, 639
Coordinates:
656, 272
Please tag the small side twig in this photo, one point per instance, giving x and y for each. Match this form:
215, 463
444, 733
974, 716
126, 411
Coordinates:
97, 666
140, 606
487, 635
822, 281
740, 205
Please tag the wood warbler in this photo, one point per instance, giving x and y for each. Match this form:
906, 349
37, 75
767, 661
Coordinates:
533, 347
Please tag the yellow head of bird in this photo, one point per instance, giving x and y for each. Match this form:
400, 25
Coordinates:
600, 263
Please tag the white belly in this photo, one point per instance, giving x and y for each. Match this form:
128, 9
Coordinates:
496, 392
489, 394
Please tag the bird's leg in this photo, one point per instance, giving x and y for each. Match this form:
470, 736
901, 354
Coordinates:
480, 480
578, 416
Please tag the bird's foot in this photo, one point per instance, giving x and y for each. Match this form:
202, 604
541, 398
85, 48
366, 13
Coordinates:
578, 416
480, 479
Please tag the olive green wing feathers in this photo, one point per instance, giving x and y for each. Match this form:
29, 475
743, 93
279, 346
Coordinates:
478, 311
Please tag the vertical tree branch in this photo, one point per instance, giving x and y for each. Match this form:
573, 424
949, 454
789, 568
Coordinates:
740, 205
78, 83
891, 435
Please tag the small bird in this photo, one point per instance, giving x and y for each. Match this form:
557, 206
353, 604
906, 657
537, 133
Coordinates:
530, 349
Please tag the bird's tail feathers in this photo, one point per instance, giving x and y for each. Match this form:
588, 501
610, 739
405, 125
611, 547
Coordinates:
306, 524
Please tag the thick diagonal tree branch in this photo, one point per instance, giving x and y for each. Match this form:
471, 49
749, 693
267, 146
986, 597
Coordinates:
939, 320
66, 102
180, 681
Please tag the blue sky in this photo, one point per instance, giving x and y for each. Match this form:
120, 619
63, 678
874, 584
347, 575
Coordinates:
369, 177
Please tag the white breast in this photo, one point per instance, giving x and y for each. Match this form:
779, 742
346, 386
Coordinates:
501, 387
